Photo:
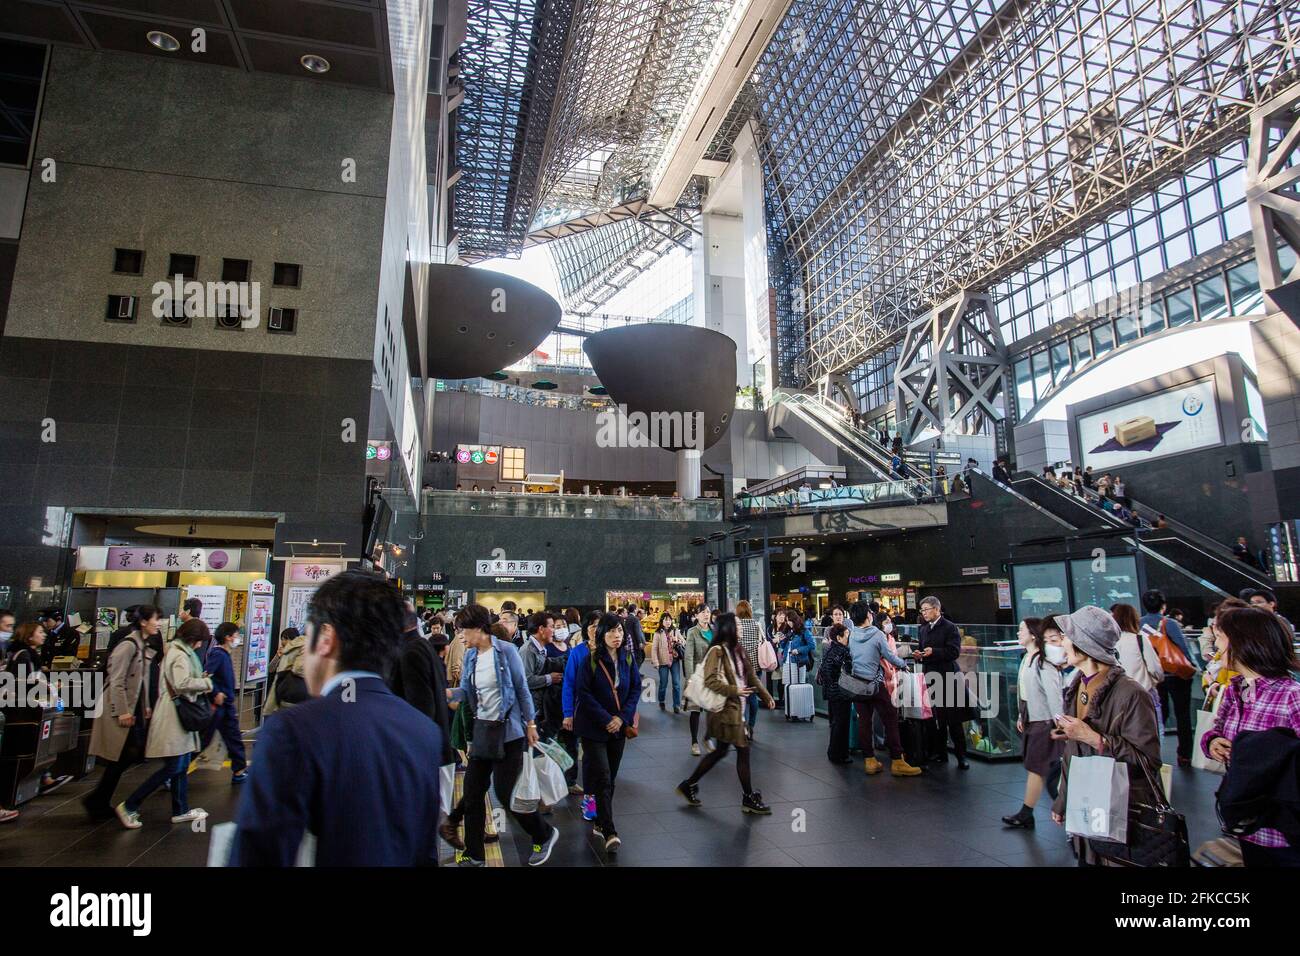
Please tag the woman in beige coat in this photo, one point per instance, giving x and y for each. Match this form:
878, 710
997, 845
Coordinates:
181, 676
118, 736
727, 671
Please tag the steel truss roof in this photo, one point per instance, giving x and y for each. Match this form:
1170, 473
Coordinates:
510, 66
1053, 114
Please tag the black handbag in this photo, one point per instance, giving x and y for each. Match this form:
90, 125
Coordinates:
488, 741
196, 714
1157, 833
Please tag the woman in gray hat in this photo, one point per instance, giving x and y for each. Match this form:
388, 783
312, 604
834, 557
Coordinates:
1106, 713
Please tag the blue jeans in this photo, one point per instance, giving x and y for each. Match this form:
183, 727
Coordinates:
175, 769
675, 672
751, 710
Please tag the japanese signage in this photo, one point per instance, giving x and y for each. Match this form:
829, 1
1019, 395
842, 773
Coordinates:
1004, 594
257, 630
129, 558
487, 567
885, 578
972, 572
693, 582
311, 572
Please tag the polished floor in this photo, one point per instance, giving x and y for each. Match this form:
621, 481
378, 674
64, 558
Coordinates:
823, 815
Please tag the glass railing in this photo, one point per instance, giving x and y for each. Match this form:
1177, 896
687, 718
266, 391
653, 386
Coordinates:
525, 396
517, 505
815, 499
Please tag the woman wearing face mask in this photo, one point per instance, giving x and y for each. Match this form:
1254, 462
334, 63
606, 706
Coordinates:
580, 649
698, 639
25, 664
1039, 688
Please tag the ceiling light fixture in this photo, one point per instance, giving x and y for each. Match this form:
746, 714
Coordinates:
163, 41
314, 64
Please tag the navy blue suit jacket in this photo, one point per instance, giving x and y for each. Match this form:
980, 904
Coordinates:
360, 774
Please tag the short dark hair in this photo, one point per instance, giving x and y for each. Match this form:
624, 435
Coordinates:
859, 613
508, 605
52, 613
224, 630
539, 620
1265, 593
193, 631
193, 606
365, 610
143, 612
474, 617
1153, 601
836, 630
8, 612
1257, 639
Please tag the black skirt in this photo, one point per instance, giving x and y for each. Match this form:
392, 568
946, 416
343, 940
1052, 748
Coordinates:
1040, 750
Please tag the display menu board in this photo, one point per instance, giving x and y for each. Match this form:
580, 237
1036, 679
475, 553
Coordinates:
257, 630
213, 597
296, 600
711, 587
755, 591
733, 583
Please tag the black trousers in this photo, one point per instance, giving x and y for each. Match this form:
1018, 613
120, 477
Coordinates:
840, 712
953, 718
1180, 690
569, 741
502, 774
600, 762
100, 800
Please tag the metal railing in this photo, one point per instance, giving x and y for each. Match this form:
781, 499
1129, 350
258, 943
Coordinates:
526, 396
504, 504
845, 496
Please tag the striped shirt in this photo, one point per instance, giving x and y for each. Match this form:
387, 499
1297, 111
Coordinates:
1270, 702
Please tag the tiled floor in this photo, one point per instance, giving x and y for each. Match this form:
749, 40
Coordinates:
823, 815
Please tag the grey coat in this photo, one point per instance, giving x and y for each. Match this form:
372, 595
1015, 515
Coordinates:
126, 686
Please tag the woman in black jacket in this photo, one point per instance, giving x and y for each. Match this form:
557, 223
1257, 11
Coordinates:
25, 664
838, 703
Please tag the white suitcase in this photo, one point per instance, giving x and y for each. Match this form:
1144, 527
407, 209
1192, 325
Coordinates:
799, 702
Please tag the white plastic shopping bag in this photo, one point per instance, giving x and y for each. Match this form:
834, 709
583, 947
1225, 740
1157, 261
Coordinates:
447, 787
1096, 802
527, 791
550, 779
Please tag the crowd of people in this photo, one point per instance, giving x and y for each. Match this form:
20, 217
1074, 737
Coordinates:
1100, 682
376, 705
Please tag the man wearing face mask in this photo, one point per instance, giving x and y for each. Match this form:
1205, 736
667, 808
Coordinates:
225, 719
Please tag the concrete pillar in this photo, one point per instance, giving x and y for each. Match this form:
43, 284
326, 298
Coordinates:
688, 473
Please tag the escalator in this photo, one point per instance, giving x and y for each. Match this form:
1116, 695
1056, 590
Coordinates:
817, 428
1178, 547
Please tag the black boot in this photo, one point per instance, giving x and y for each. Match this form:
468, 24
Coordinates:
1024, 819
690, 791
753, 803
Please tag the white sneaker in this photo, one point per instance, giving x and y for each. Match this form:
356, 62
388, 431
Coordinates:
129, 819
196, 814
695, 750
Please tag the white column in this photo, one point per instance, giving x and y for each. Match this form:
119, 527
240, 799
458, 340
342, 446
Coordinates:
688, 473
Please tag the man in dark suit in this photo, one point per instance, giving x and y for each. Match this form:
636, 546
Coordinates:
357, 766
938, 646
61, 639
419, 679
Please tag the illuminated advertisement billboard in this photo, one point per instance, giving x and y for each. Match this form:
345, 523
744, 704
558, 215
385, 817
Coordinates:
1171, 422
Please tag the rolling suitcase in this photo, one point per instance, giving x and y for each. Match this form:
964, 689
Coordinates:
799, 702
854, 749
914, 735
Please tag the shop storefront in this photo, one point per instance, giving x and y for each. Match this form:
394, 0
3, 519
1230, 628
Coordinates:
656, 603
522, 592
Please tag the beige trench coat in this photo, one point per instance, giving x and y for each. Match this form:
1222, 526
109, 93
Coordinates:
182, 673
126, 683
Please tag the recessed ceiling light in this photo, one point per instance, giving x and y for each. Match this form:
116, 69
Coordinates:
314, 64
163, 41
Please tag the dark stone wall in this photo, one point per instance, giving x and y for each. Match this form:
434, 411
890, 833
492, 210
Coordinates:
179, 431
585, 556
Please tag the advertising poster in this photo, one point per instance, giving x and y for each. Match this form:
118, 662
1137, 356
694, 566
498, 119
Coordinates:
1168, 423
296, 601
257, 630
213, 597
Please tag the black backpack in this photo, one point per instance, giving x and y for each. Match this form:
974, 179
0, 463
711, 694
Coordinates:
1262, 785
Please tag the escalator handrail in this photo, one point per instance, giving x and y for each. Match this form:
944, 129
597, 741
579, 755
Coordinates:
1104, 516
867, 448
1026, 501
824, 427
1239, 567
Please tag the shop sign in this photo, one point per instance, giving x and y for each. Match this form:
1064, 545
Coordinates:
974, 572
911, 600
692, 582
312, 572
486, 567
164, 559
891, 577
1004, 594
431, 586
819, 583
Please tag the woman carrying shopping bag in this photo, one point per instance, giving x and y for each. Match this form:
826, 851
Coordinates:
1105, 713
1038, 686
